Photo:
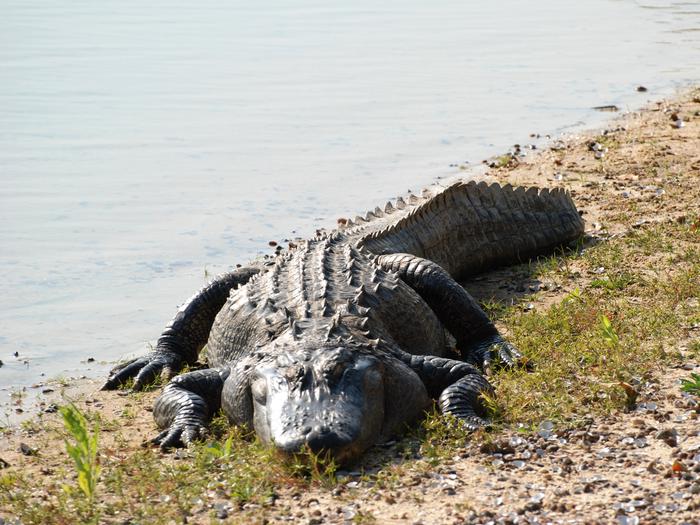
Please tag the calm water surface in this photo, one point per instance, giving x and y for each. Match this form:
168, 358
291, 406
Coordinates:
144, 144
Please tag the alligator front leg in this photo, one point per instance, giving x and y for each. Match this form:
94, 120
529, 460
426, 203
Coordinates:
478, 339
184, 336
459, 387
186, 406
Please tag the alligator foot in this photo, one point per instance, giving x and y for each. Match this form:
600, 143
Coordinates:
144, 370
460, 387
186, 405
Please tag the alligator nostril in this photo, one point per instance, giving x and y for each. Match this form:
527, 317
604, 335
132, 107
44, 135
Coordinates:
321, 429
322, 438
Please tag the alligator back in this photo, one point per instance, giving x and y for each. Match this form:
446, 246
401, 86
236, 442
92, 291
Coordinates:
470, 227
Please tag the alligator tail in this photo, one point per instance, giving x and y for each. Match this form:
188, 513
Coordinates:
472, 227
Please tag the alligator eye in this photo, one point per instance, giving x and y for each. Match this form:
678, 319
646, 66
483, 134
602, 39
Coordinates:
336, 373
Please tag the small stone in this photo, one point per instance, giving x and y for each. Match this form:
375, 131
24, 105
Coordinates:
642, 89
668, 436
27, 450
545, 429
533, 505
640, 442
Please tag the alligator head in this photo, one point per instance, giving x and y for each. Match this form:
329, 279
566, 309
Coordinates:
330, 398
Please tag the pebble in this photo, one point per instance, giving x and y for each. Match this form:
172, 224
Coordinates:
27, 450
545, 429
668, 436
603, 452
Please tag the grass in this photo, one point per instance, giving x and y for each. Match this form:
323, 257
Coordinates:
83, 449
691, 385
612, 331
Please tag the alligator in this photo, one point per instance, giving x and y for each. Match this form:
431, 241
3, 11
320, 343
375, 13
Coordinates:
342, 340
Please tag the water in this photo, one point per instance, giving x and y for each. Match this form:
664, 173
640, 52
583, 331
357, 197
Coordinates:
143, 145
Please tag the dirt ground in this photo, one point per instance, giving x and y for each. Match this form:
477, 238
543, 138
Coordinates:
639, 466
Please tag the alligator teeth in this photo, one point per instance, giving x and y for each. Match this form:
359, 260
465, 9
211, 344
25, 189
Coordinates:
400, 203
412, 199
378, 212
369, 216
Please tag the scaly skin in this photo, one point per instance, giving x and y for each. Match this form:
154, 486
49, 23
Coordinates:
341, 342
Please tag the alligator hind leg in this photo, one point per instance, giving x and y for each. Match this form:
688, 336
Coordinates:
184, 336
186, 406
478, 339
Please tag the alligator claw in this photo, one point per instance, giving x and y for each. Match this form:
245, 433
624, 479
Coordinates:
505, 354
143, 369
180, 435
496, 352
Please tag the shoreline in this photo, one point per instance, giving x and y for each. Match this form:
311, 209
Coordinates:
638, 178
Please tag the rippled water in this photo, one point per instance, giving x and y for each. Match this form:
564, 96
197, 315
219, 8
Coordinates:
144, 144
